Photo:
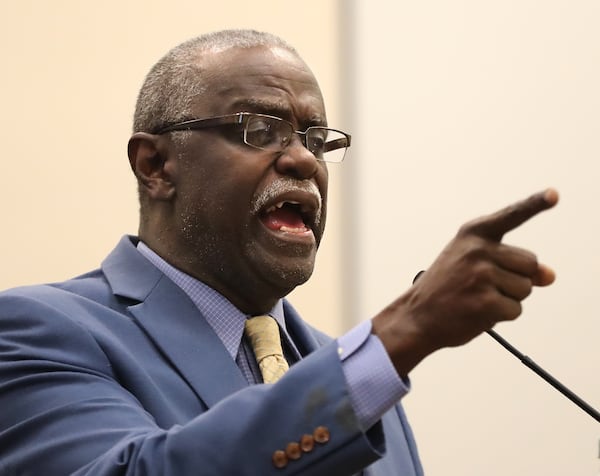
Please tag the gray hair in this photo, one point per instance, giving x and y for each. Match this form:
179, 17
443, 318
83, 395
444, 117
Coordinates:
176, 79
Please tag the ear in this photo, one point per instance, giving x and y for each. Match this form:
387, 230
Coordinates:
148, 157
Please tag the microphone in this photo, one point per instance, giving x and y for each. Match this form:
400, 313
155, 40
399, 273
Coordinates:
528, 362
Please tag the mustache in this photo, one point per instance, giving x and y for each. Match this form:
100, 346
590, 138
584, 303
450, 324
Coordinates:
284, 185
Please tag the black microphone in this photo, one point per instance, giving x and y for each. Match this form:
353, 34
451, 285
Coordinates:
586, 407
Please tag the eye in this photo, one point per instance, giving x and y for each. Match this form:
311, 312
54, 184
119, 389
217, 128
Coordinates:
315, 140
260, 132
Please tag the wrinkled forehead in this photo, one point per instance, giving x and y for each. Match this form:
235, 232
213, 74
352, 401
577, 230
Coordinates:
269, 80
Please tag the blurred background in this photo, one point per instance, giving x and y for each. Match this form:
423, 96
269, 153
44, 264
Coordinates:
456, 109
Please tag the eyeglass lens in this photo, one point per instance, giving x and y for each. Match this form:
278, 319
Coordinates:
275, 134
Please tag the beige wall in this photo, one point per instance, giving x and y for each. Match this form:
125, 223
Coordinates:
71, 72
463, 107
459, 107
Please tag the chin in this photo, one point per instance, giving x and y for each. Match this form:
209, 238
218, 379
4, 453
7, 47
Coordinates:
279, 269
287, 278
282, 276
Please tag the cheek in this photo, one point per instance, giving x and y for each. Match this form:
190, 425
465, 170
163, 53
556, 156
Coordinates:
322, 176
215, 207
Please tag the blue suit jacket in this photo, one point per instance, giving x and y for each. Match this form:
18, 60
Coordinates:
117, 373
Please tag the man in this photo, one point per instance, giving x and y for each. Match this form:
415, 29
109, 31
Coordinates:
146, 366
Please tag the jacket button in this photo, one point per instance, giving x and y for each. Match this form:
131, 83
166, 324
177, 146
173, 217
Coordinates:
280, 460
321, 434
292, 450
307, 443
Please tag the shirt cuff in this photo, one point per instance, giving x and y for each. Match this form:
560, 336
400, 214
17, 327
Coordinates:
373, 383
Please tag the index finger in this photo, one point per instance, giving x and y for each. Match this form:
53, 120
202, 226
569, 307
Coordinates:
494, 226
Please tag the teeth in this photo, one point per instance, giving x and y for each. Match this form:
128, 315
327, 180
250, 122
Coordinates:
281, 204
293, 230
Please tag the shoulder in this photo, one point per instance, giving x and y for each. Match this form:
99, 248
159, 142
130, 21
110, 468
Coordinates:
88, 289
59, 312
50, 323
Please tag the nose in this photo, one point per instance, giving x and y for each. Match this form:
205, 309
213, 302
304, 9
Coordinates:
296, 160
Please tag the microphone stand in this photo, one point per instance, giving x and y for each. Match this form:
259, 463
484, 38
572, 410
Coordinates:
586, 407
546, 376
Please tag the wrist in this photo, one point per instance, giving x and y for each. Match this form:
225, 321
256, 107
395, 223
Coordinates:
401, 336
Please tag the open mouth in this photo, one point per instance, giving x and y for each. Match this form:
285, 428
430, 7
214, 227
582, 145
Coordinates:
290, 209
289, 216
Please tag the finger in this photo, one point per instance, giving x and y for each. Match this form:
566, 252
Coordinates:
517, 260
504, 309
543, 276
494, 226
514, 286
511, 310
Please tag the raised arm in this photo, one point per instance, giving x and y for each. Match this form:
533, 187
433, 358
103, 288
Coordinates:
475, 282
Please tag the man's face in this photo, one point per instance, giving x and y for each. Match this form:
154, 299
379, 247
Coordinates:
249, 221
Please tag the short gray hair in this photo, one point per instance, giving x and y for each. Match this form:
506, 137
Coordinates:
176, 79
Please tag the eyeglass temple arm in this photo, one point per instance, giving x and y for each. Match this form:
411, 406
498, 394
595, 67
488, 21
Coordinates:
194, 124
337, 144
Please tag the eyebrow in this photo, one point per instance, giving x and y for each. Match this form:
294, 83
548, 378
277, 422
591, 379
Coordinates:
263, 107
277, 109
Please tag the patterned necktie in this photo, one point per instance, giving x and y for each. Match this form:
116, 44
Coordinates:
263, 333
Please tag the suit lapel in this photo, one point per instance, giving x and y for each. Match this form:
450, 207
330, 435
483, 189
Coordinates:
306, 339
174, 323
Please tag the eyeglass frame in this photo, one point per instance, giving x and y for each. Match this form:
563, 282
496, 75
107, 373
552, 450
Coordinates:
242, 118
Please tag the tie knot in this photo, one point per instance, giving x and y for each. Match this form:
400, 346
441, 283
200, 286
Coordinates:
263, 333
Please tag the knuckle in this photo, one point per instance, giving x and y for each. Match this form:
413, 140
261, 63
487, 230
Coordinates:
488, 303
511, 210
483, 272
474, 252
468, 227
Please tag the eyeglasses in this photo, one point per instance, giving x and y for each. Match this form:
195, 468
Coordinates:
274, 134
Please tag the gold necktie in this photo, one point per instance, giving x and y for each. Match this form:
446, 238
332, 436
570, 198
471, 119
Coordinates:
263, 333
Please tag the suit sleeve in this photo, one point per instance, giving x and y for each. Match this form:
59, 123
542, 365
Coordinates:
63, 411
